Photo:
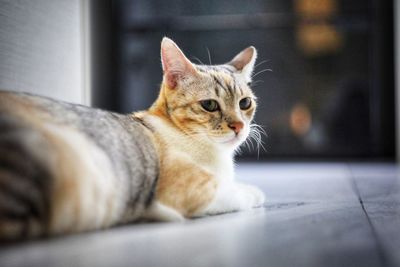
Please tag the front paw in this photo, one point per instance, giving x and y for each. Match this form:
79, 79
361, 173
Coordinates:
235, 197
255, 196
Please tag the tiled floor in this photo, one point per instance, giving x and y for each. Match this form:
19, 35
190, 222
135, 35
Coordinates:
316, 215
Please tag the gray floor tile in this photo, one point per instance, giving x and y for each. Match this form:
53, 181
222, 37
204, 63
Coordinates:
379, 189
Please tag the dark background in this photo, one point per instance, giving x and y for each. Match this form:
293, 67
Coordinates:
327, 92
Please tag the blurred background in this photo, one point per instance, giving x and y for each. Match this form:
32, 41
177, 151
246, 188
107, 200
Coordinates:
324, 77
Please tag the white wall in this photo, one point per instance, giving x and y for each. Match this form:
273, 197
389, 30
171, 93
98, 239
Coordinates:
41, 48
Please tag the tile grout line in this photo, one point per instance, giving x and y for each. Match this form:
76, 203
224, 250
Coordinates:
380, 249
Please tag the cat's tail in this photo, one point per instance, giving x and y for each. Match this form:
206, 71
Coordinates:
24, 180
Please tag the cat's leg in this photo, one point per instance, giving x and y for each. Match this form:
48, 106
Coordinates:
233, 196
159, 212
184, 186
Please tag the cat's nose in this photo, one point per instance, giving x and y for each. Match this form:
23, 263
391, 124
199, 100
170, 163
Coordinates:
236, 126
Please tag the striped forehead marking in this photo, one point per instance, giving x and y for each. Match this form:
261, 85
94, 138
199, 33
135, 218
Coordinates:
224, 79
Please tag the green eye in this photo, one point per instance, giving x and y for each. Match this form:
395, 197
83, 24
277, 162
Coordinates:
245, 103
209, 105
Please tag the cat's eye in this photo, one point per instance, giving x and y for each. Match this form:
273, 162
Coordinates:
245, 103
209, 105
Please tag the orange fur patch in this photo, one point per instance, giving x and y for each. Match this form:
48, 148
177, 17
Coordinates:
185, 187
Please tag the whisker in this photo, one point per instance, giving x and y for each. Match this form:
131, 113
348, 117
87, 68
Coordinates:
257, 140
261, 62
247, 145
196, 58
256, 82
256, 133
209, 55
261, 71
239, 150
249, 142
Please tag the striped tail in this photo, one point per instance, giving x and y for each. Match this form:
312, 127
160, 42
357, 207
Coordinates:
24, 181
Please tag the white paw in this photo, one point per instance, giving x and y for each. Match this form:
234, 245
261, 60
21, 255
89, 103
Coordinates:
255, 197
235, 197
160, 212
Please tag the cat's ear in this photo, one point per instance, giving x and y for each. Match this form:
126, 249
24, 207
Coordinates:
174, 63
244, 62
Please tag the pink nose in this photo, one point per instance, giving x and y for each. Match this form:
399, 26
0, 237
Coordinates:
236, 126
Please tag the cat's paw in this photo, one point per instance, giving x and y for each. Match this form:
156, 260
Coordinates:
160, 212
235, 197
254, 196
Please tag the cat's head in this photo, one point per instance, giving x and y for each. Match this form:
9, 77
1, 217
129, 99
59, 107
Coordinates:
213, 103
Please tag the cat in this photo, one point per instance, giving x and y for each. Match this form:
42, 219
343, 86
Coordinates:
67, 168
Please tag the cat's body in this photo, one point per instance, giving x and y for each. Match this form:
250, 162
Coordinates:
89, 169
98, 168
